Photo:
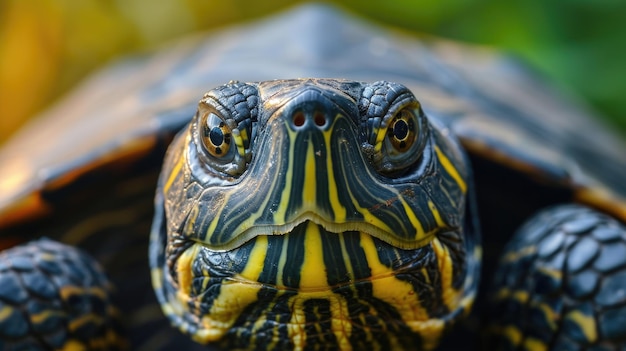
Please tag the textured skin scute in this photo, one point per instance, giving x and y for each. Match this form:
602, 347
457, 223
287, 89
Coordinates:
561, 284
240, 100
376, 100
54, 296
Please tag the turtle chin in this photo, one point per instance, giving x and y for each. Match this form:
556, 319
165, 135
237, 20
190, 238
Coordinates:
335, 283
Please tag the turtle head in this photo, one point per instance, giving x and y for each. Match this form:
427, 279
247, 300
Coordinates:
324, 210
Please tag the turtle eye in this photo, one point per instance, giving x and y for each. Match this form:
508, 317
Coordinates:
399, 141
216, 135
222, 131
220, 143
401, 146
401, 131
394, 126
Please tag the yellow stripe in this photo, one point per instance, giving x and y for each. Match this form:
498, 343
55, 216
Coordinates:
157, 278
401, 296
223, 201
449, 167
420, 234
73, 345
446, 267
5, 312
309, 193
86, 319
339, 210
436, 214
70, 290
512, 333
340, 324
281, 211
532, 344
313, 276
235, 295
184, 269
238, 137
549, 314
191, 219
256, 260
37, 318
175, 171
282, 262
378, 144
587, 324
368, 217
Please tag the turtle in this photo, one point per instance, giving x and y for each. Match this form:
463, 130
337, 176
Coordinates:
313, 181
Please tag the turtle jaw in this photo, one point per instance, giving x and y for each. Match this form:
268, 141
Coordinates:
359, 277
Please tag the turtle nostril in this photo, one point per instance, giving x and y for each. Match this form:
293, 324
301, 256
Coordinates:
298, 119
319, 119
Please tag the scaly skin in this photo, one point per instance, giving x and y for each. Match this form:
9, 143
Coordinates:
53, 296
322, 213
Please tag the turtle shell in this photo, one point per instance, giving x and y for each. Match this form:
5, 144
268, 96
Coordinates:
497, 108
99, 150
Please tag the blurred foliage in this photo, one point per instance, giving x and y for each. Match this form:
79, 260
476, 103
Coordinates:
46, 46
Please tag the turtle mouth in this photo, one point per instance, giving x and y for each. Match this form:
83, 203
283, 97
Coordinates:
329, 226
309, 254
374, 228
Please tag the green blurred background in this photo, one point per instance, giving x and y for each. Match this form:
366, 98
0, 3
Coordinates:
47, 46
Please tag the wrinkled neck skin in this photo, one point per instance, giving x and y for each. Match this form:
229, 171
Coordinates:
337, 214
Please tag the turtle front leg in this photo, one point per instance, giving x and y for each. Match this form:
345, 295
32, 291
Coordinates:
561, 284
55, 297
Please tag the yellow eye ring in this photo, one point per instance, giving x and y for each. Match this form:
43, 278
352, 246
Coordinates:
216, 135
402, 131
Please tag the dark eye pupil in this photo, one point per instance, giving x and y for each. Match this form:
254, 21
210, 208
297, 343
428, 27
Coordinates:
216, 135
400, 129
